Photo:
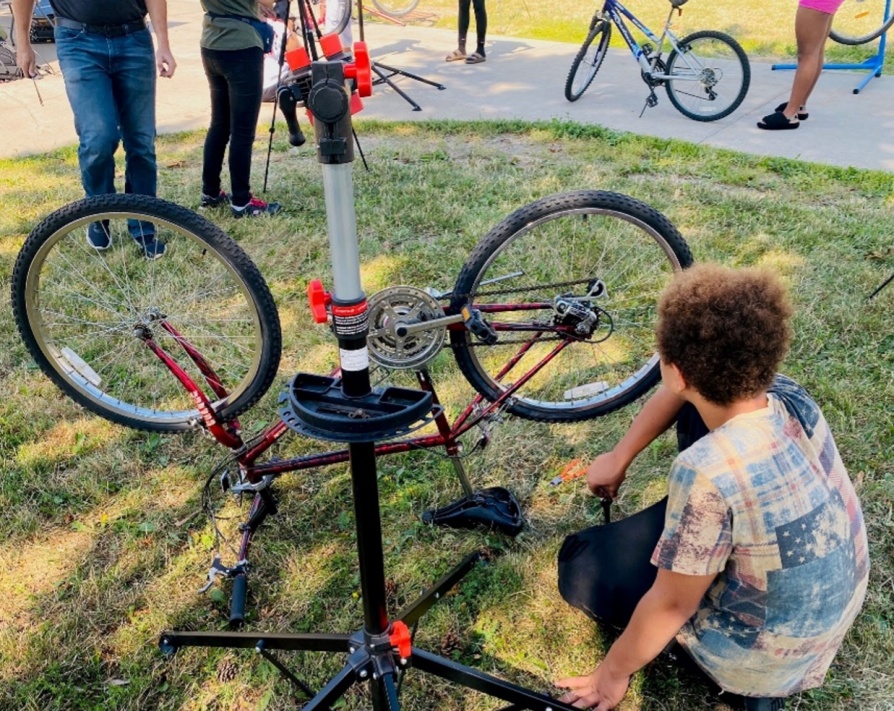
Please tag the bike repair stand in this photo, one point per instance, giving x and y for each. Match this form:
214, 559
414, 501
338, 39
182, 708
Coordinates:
385, 72
874, 64
348, 409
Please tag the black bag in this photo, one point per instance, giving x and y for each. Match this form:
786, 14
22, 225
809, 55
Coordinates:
264, 29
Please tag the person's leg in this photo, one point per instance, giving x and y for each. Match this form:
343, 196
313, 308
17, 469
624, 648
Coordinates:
219, 130
133, 85
811, 31
85, 63
480, 25
243, 71
463, 20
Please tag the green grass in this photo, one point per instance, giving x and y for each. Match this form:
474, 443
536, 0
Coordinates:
103, 547
765, 30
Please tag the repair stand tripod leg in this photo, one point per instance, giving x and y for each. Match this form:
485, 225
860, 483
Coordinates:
385, 72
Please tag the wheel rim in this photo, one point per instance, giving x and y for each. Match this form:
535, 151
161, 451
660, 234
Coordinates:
580, 247
86, 307
707, 78
859, 21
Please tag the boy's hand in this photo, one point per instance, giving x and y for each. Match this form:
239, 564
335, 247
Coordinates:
605, 475
598, 690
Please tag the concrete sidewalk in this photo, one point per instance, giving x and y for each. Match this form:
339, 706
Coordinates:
522, 79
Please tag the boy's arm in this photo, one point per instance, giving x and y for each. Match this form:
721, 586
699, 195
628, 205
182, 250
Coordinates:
607, 471
660, 614
22, 10
164, 58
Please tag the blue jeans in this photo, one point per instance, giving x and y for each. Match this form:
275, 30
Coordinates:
110, 82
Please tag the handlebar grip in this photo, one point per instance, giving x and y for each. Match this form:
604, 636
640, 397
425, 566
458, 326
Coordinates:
237, 601
288, 104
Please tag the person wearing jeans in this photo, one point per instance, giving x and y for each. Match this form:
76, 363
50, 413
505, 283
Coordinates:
233, 58
109, 64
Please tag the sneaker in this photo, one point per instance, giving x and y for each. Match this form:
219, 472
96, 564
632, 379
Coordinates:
151, 247
211, 201
256, 207
98, 235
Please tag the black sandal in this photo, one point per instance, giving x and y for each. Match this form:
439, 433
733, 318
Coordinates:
802, 115
778, 122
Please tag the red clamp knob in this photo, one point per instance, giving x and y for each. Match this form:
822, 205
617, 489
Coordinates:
400, 638
361, 69
319, 299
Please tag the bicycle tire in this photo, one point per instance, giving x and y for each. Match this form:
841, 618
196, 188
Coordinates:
587, 63
538, 251
334, 23
395, 8
860, 21
81, 311
709, 58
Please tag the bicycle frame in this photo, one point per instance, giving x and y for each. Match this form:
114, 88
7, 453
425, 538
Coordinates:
256, 477
616, 12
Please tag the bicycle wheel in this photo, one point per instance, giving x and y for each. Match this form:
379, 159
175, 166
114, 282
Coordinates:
588, 60
85, 314
330, 16
860, 21
395, 8
577, 272
708, 77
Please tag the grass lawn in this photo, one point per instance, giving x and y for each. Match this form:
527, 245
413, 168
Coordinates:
103, 545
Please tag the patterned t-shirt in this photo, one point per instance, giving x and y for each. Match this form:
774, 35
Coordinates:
764, 502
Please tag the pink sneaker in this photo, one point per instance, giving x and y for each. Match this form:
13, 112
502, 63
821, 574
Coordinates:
256, 207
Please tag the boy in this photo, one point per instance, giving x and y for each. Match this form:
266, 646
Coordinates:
761, 551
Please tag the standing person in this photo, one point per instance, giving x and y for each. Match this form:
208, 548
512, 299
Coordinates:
757, 560
813, 21
478, 56
233, 57
108, 63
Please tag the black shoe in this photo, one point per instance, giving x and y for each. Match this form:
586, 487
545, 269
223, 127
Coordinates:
256, 207
151, 247
98, 235
778, 121
754, 703
209, 201
802, 115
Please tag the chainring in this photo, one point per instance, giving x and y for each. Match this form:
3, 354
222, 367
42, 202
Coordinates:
397, 306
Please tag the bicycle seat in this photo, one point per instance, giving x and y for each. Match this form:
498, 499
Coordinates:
494, 508
678, 3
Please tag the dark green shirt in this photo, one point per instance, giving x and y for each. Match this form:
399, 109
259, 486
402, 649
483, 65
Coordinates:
227, 34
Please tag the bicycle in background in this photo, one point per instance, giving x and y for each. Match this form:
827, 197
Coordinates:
706, 74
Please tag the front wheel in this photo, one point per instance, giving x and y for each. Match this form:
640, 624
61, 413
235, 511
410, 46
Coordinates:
89, 316
588, 60
568, 287
860, 21
708, 75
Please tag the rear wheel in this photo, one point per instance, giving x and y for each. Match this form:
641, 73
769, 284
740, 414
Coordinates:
579, 274
395, 8
588, 60
87, 316
860, 21
708, 77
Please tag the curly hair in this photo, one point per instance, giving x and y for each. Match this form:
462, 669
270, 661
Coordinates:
727, 330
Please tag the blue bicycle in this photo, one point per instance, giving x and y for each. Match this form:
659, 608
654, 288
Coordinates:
706, 74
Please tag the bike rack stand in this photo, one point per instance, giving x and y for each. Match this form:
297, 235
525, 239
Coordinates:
350, 410
873, 64
385, 72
